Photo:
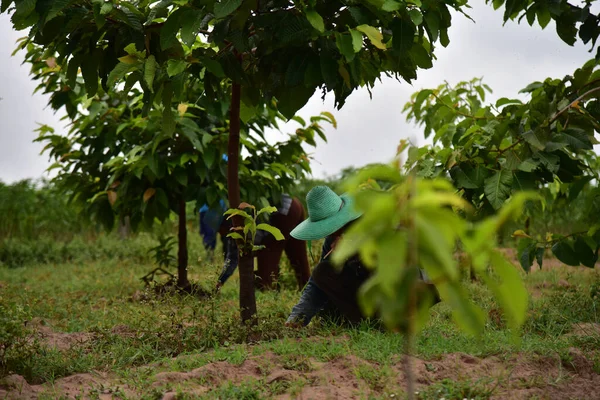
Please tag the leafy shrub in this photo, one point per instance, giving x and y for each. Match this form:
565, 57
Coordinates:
17, 342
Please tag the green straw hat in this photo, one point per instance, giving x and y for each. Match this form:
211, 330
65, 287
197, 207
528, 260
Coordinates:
327, 212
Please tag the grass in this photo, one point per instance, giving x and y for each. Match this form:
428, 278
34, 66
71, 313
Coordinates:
136, 334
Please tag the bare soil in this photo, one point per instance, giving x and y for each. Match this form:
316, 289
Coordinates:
516, 377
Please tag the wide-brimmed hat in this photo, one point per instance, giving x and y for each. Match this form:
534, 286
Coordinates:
327, 212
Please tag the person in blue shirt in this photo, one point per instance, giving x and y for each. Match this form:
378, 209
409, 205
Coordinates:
210, 222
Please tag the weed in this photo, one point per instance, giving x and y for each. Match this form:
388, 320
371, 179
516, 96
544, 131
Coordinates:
458, 390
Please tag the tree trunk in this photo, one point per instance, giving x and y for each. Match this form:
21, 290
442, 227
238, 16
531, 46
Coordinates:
124, 227
246, 261
182, 253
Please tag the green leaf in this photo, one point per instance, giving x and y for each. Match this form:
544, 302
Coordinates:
391, 5
247, 113
181, 177
168, 32
420, 56
510, 292
529, 165
225, 7
526, 250
73, 68
357, 40
106, 8
373, 34
416, 16
175, 67
468, 316
4, 5
267, 210
577, 138
293, 99
120, 70
391, 260
236, 236
505, 101
168, 121
531, 138
469, 177
345, 45
213, 66
209, 157
315, 20
497, 188
191, 22
150, 71
550, 161
403, 32
564, 252
539, 256
89, 70
235, 211
272, 230
585, 254
432, 21
543, 15
192, 137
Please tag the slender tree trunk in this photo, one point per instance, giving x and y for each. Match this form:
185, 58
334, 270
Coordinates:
246, 262
182, 253
124, 227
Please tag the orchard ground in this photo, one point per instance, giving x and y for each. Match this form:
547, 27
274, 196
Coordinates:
92, 331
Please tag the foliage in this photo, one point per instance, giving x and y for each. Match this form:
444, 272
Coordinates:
116, 159
16, 252
571, 20
319, 44
32, 209
491, 152
414, 224
246, 234
17, 342
162, 252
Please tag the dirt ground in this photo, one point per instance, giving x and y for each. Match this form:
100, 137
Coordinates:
515, 377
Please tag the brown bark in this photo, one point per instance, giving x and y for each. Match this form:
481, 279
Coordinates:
182, 253
246, 261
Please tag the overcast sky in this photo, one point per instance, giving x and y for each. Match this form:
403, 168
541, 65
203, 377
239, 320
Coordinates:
508, 58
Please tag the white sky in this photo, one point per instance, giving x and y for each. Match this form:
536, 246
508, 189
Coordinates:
508, 58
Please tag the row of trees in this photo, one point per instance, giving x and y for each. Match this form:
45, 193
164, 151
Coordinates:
177, 75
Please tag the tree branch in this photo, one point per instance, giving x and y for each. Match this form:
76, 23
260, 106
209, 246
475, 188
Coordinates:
572, 103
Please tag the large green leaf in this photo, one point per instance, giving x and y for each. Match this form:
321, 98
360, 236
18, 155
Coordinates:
272, 230
89, 70
586, 255
510, 292
403, 34
564, 252
315, 20
527, 250
344, 45
468, 176
548, 160
175, 67
150, 71
213, 66
225, 7
293, 99
577, 139
498, 188
373, 34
